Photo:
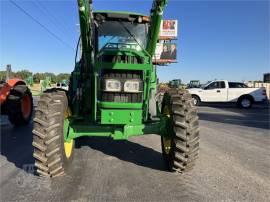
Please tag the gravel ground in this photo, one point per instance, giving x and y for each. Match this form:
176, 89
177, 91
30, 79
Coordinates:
234, 165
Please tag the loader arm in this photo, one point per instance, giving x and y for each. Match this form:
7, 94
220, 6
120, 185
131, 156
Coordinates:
86, 29
155, 21
86, 82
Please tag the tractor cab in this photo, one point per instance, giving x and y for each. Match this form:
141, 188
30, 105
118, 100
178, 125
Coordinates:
175, 83
121, 31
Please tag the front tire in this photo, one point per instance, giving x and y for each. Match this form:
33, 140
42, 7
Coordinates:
180, 147
52, 154
20, 105
196, 100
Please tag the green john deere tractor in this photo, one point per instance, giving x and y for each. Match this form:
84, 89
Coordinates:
175, 83
112, 94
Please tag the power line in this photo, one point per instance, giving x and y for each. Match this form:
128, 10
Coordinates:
40, 24
39, 7
51, 14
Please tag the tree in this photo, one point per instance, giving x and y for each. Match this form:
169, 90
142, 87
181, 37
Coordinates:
38, 76
23, 74
3, 75
52, 76
62, 76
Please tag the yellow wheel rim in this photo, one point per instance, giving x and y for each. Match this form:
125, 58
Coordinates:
167, 142
68, 148
166, 111
68, 145
67, 113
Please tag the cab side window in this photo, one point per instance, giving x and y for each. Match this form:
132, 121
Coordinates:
215, 85
221, 84
237, 85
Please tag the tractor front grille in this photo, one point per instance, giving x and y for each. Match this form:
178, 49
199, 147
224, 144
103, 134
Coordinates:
127, 59
122, 96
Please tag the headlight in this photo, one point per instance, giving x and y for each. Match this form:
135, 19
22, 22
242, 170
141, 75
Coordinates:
132, 86
112, 85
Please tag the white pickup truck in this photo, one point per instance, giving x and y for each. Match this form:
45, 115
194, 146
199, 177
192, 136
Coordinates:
62, 85
224, 91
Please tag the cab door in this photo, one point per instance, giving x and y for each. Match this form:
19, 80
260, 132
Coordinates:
215, 92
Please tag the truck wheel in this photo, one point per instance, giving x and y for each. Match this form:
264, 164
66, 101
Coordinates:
20, 105
196, 100
245, 102
180, 147
52, 154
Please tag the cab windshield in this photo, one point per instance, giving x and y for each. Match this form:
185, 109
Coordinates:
119, 35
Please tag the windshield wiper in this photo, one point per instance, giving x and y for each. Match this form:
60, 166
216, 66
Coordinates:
133, 36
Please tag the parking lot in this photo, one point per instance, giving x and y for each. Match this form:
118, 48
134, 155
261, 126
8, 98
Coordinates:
234, 164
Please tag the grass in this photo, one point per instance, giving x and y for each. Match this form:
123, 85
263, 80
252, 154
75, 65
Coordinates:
36, 89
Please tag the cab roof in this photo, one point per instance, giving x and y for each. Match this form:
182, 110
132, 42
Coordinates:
115, 13
120, 15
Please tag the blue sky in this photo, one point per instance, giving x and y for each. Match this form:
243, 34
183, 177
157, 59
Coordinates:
217, 39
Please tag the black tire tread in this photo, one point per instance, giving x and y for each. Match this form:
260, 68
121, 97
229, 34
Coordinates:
185, 147
47, 142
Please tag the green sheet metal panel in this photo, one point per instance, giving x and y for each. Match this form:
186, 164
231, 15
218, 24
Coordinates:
120, 116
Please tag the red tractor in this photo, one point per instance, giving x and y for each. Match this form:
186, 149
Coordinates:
16, 101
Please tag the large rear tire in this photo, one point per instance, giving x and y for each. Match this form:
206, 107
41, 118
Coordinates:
52, 154
181, 147
245, 102
20, 105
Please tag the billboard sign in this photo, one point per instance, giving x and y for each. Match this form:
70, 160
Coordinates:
165, 53
168, 29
